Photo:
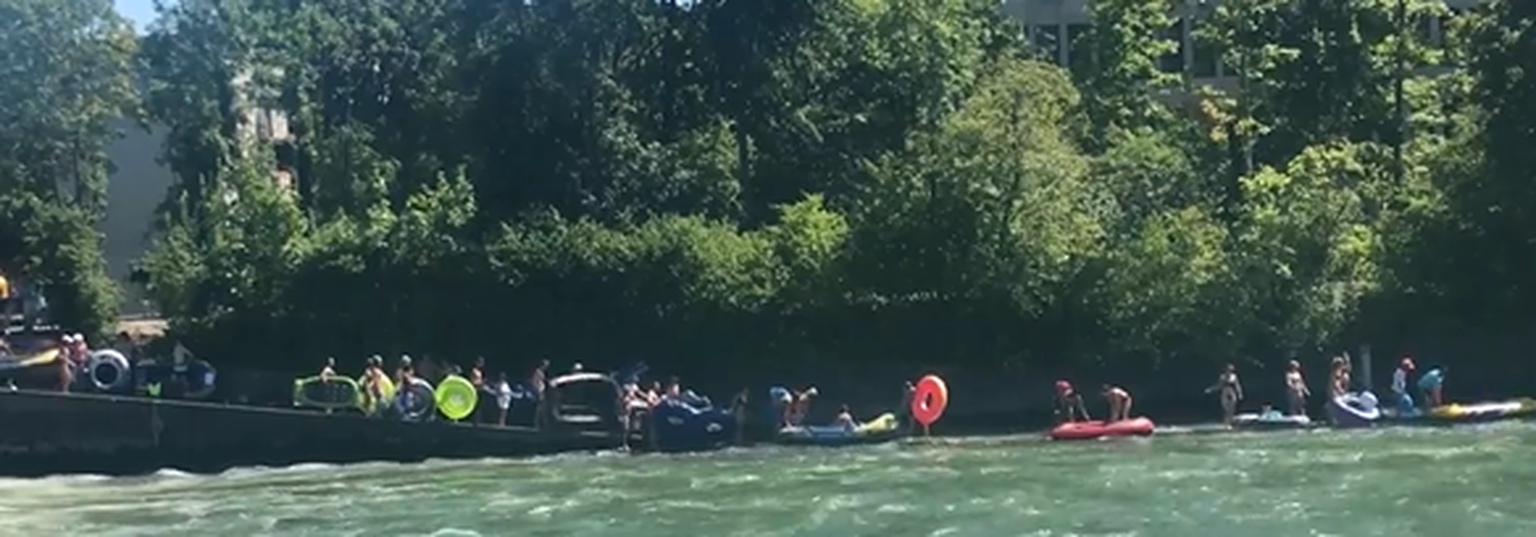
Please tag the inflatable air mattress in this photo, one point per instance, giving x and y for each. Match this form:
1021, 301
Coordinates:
1353, 410
884, 428
679, 426
1089, 430
334, 393
1271, 420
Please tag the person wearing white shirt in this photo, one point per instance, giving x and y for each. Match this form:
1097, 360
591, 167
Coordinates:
503, 392
1400, 385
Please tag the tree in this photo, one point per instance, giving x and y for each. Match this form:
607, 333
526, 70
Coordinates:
728, 184
68, 83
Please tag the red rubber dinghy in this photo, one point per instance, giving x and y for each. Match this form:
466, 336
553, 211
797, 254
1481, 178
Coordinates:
1089, 430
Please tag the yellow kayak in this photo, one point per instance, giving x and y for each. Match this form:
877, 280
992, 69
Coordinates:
884, 423
20, 361
1502, 409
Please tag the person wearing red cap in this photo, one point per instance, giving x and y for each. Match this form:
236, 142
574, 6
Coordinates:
1400, 385
1069, 404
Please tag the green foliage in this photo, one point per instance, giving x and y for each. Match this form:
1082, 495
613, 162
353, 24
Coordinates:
67, 76
762, 182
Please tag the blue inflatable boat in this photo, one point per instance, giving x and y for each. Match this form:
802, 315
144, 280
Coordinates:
882, 429
689, 424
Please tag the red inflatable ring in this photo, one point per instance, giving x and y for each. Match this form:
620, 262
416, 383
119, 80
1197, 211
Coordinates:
929, 400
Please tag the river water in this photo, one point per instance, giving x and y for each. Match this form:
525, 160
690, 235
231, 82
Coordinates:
1396, 482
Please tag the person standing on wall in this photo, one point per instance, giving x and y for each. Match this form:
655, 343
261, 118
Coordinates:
179, 381
5, 296
8, 302
34, 306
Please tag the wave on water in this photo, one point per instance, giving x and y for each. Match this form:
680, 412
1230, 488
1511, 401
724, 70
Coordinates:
1336, 482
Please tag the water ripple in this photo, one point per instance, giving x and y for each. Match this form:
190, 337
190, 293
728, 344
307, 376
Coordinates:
1398, 483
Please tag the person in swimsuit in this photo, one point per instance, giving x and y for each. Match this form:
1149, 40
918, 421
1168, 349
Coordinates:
1069, 404
845, 418
653, 395
1400, 385
1430, 384
1296, 392
536, 380
801, 405
1119, 403
1338, 384
904, 412
784, 405
328, 370
1231, 391
373, 382
477, 372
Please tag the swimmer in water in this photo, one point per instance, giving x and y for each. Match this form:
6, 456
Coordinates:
1231, 391
1069, 404
1296, 392
1119, 403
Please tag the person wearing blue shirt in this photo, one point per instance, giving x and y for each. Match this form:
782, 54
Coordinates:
1429, 385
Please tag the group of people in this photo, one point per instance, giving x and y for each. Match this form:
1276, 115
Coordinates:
1228, 387
791, 406
1229, 390
1070, 407
1340, 382
74, 360
375, 383
24, 299
1430, 386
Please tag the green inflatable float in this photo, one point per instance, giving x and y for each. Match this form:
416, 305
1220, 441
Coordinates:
386, 389
334, 393
456, 397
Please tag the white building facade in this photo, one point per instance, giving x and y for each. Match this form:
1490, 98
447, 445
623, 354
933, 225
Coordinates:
1053, 26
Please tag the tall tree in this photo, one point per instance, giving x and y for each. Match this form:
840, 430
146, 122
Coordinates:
67, 86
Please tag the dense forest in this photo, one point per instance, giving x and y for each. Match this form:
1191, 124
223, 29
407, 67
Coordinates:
791, 181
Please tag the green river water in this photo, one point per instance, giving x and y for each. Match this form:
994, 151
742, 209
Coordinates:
1472, 481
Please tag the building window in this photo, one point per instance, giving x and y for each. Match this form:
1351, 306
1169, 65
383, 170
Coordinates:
1205, 57
1173, 61
1047, 42
1080, 54
1427, 30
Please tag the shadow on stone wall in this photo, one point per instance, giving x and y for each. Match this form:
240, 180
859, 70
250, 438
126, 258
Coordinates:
253, 423
49, 433
982, 401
